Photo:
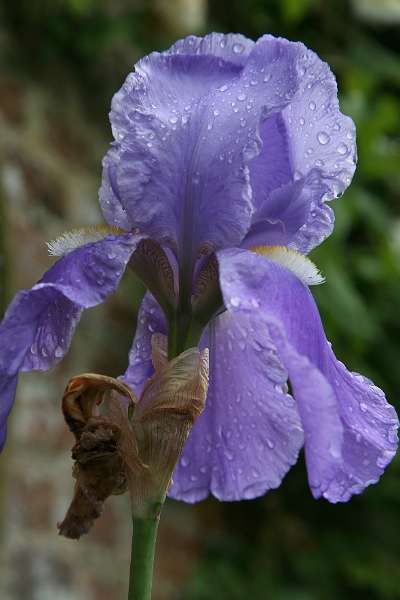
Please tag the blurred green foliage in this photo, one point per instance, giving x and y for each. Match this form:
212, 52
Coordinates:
286, 545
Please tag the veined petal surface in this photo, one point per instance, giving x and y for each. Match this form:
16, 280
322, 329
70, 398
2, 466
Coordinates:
350, 430
185, 125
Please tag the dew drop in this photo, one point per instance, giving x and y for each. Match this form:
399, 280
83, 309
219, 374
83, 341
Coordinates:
342, 149
323, 138
312, 105
334, 450
235, 301
184, 461
58, 352
363, 407
267, 78
238, 48
216, 112
241, 97
228, 455
173, 119
301, 121
223, 88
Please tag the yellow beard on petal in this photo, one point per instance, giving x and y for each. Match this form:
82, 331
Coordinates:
297, 263
70, 240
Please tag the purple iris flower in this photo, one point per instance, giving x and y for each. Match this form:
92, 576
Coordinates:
225, 153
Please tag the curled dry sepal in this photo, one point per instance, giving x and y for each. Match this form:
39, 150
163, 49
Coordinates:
131, 445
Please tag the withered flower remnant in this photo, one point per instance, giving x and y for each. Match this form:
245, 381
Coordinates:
131, 444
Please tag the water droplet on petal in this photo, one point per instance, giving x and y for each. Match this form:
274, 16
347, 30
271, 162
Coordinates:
312, 105
301, 121
228, 455
235, 301
323, 138
184, 461
223, 88
363, 407
173, 120
342, 149
58, 352
238, 48
241, 97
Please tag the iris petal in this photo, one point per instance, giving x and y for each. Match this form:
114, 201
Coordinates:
38, 326
250, 432
309, 136
186, 125
350, 429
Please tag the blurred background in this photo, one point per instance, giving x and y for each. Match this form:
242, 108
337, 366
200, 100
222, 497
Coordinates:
60, 63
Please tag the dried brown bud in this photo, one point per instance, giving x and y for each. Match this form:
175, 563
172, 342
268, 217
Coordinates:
99, 467
170, 402
133, 445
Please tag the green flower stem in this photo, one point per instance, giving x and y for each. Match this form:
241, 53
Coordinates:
184, 332
144, 536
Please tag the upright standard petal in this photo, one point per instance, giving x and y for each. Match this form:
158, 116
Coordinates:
186, 125
37, 328
350, 429
309, 136
250, 433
